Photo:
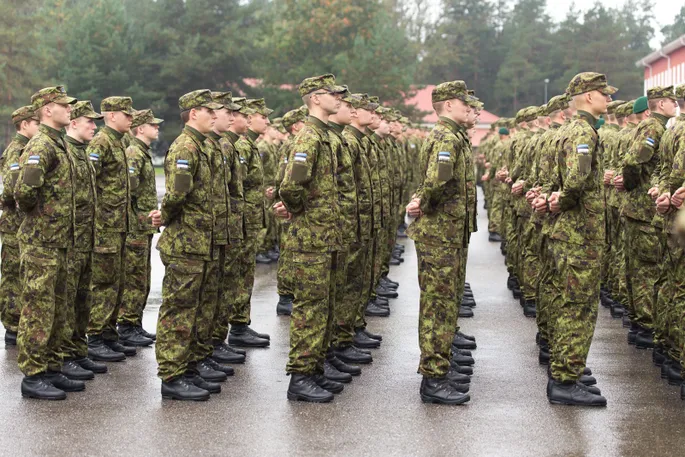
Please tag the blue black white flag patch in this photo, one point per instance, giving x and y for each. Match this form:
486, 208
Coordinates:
444, 156
182, 164
300, 156
33, 160
14, 167
93, 157
583, 149
650, 142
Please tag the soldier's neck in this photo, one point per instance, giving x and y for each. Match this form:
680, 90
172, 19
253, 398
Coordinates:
143, 139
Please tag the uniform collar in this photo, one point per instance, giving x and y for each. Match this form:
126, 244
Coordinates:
554, 125
317, 123
194, 133
252, 136
21, 139
141, 144
453, 126
74, 142
113, 133
355, 131
661, 118
337, 128
56, 135
589, 118
213, 135
232, 136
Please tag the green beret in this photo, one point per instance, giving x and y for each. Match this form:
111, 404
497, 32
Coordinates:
48, 95
325, 82
145, 116
503, 131
24, 114
226, 100
587, 82
197, 99
557, 103
259, 106
449, 91
680, 92
84, 108
244, 108
641, 105
611, 107
113, 104
600, 122
658, 92
292, 117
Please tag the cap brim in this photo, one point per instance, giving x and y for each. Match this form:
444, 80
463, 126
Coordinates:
94, 116
246, 111
608, 90
129, 111
232, 106
212, 105
337, 89
65, 100
156, 121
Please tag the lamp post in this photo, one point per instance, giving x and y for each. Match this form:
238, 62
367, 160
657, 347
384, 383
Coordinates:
546, 83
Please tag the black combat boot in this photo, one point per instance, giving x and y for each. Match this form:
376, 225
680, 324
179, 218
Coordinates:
332, 373
37, 386
529, 309
220, 366
240, 335
208, 373
362, 340
10, 338
304, 388
285, 305
644, 340
223, 354
129, 335
73, 370
441, 391
182, 389
60, 381
128, 351
373, 310
350, 354
571, 393
339, 365
98, 351
87, 364
466, 312
202, 383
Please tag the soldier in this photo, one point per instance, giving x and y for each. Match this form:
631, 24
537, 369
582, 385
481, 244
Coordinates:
578, 236
74, 344
112, 220
185, 247
310, 200
268, 151
441, 231
138, 247
241, 333
44, 193
26, 124
232, 282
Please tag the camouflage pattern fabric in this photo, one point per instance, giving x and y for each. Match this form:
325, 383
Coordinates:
230, 286
74, 343
211, 295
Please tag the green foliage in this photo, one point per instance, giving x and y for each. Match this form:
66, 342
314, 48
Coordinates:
676, 30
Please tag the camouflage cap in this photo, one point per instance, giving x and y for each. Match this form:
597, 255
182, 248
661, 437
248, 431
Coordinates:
226, 100
641, 105
661, 92
374, 99
611, 107
680, 92
589, 81
511, 123
347, 96
84, 108
557, 103
196, 99
145, 116
244, 108
542, 111
523, 115
112, 104
325, 82
626, 109
24, 114
474, 102
359, 101
259, 106
292, 117
49, 95
449, 91
471, 92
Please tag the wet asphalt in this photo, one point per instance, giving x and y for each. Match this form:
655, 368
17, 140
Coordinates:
380, 412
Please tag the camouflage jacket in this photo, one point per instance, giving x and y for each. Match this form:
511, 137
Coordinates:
533, 178
45, 191
674, 153
221, 175
641, 162
471, 193
108, 156
143, 186
444, 194
581, 220
84, 195
187, 203
369, 148
236, 171
609, 135
548, 174
347, 189
11, 218
381, 148
362, 179
283, 154
624, 139
269, 155
253, 184
310, 193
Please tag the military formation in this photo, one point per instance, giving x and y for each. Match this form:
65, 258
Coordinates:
584, 195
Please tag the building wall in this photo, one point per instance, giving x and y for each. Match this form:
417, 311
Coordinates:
661, 75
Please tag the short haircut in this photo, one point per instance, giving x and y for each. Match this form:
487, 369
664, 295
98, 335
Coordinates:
681, 104
185, 116
307, 99
653, 104
439, 106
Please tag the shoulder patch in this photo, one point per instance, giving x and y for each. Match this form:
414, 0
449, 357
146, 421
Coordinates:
33, 160
93, 157
583, 149
300, 157
183, 164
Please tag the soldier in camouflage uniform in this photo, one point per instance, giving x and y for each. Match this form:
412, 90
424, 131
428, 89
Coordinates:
112, 221
44, 193
74, 344
241, 333
232, 281
310, 199
577, 240
136, 287
26, 124
268, 151
185, 247
441, 232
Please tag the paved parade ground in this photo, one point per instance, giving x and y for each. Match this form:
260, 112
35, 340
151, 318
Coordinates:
380, 413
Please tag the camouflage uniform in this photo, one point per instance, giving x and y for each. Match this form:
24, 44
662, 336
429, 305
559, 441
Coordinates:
310, 194
185, 245
138, 248
268, 152
441, 235
644, 242
10, 275
578, 236
44, 193
112, 220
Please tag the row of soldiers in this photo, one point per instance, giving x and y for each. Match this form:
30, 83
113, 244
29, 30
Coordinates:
587, 215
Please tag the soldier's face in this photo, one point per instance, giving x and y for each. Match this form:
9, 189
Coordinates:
363, 117
239, 125
150, 131
670, 107
60, 114
344, 114
329, 102
383, 128
599, 102
375, 121
30, 128
224, 119
83, 128
204, 119
258, 123
119, 121
460, 111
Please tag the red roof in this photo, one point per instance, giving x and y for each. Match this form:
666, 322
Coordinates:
422, 100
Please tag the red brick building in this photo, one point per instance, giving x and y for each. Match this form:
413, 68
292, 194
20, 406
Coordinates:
666, 66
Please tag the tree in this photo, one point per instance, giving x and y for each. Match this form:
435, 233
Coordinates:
676, 30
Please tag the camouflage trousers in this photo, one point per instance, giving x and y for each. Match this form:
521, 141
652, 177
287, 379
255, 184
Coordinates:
439, 281
368, 287
343, 310
495, 209
577, 280
620, 283
245, 264
271, 234
106, 286
208, 313
670, 305
44, 310
311, 322
379, 247
547, 294
137, 274
284, 276
390, 237
230, 283
530, 258
10, 283
74, 343
512, 242
607, 258
644, 246
182, 288
611, 259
